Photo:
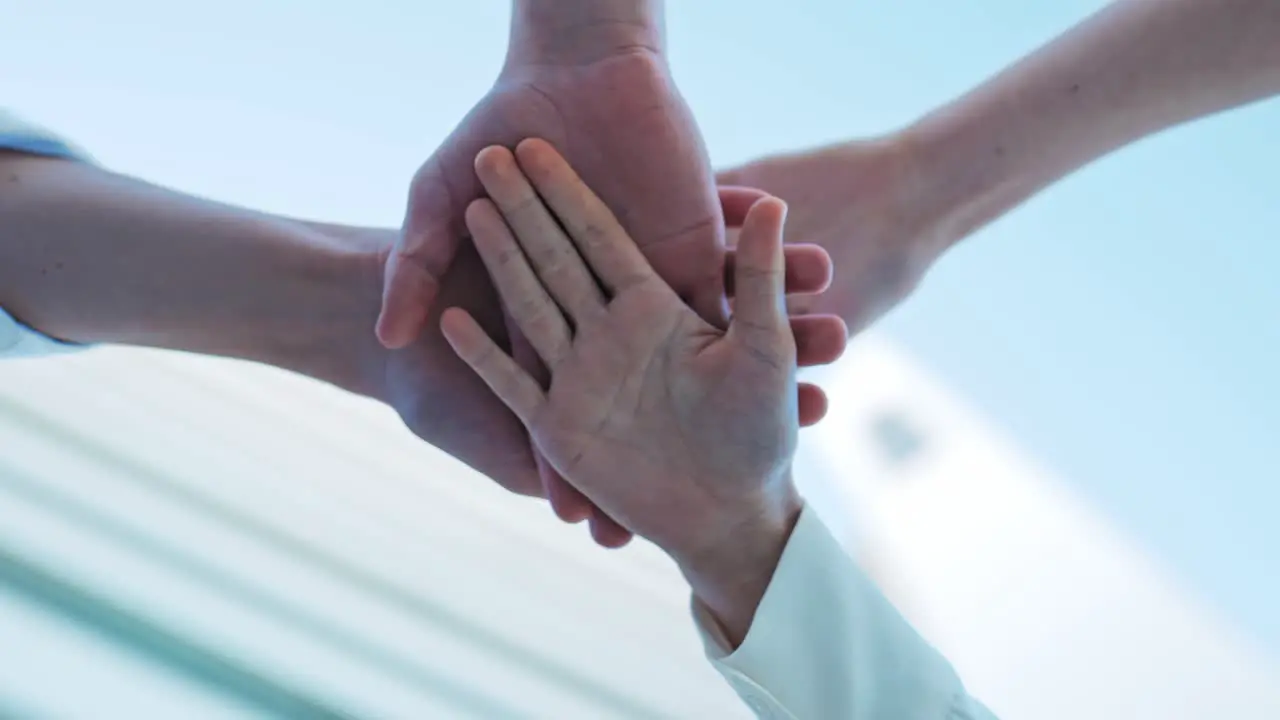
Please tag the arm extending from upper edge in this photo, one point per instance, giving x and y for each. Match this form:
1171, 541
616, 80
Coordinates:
1133, 69
888, 207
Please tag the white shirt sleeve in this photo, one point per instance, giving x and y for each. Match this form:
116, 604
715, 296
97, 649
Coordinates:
825, 644
17, 340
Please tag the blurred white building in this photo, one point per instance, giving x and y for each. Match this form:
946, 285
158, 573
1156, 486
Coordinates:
1044, 605
185, 537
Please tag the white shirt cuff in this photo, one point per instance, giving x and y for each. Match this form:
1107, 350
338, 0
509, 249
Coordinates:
825, 643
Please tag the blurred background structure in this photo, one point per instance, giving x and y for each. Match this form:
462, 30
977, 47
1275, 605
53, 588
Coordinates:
1058, 458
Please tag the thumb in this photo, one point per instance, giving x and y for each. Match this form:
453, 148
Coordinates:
760, 272
417, 264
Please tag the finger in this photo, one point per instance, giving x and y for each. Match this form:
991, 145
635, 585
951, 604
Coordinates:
567, 503
703, 291
607, 532
808, 269
415, 268
512, 385
812, 402
759, 270
820, 339
612, 254
407, 292
736, 202
549, 250
528, 303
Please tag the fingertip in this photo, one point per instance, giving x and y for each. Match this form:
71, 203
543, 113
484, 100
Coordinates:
532, 149
386, 336
608, 533
570, 511
478, 211
408, 292
398, 327
763, 228
567, 503
808, 269
812, 404
490, 160
541, 162
819, 339
773, 212
462, 333
452, 320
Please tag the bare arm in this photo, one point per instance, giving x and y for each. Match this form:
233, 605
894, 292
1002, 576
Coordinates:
91, 256
887, 208
87, 255
547, 31
1135, 68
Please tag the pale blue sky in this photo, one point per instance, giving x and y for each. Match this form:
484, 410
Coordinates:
1123, 326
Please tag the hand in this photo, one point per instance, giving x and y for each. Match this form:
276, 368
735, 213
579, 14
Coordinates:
680, 430
623, 124
618, 117
864, 203
442, 400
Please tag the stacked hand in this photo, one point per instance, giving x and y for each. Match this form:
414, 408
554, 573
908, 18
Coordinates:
443, 402
620, 119
616, 115
681, 430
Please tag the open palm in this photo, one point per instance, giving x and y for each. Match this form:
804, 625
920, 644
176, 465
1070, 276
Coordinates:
650, 408
621, 121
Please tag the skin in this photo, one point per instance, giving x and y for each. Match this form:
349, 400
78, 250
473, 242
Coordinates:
591, 77
681, 430
91, 256
887, 208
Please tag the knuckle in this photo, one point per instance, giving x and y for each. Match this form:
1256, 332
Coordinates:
756, 273
524, 205
507, 256
593, 234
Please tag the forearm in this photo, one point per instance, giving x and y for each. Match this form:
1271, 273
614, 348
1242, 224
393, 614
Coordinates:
556, 31
1133, 69
89, 256
729, 577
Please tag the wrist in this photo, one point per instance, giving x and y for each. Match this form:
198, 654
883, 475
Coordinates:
337, 310
557, 32
730, 573
97, 257
974, 160
306, 297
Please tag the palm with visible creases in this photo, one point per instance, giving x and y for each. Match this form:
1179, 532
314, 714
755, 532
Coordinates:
621, 121
442, 401
659, 417
649, 388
